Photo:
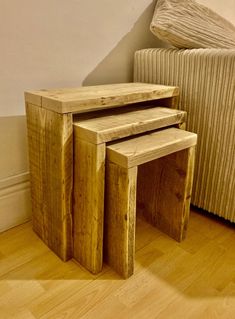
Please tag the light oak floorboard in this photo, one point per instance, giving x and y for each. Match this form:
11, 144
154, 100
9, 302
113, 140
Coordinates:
193, 279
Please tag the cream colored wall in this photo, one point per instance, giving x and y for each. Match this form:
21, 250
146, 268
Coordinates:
60, 43
14, 178
13, 159
226, 8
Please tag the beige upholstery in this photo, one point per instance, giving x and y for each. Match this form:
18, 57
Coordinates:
188, 24
206, 78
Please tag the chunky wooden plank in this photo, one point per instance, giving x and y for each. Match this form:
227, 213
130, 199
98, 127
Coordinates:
119, 231
84, 99
33, 97
89, 164
164, 192
51, 170
116, 124
145, 148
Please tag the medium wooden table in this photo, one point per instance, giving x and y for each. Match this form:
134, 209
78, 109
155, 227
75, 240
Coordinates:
91, 135
50, 118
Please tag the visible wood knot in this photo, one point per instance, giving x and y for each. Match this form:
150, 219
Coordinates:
179, 196
181, 172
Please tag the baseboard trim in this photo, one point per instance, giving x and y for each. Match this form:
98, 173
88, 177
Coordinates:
14, 180
15, 203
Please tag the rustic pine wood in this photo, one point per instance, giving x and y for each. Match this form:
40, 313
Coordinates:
51, 170
145, 148
116, 124
164, 188
90, 98
89, 175
167, 204
89, 160
120, 216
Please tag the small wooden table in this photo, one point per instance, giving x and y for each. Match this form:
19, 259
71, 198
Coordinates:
50, 118
152, 173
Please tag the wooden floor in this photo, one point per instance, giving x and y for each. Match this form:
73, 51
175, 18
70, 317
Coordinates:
194, 279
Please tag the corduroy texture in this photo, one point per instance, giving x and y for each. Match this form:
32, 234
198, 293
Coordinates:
206, 78
187, 24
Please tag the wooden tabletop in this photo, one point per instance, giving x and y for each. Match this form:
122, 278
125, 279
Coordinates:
91, 98
142, 149
110, 125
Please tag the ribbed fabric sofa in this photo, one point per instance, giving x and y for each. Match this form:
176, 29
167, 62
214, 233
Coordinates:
206, 78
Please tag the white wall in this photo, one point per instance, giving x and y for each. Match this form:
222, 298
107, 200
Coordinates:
59, 43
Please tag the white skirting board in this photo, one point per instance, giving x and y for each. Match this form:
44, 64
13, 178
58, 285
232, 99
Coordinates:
15, 203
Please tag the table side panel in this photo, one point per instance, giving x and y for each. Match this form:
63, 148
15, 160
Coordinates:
50, 141
89, 174
120, 217
164, 191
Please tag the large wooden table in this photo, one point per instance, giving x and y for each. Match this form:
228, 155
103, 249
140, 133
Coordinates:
51, 115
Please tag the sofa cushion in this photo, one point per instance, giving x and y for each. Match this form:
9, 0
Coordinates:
188, 24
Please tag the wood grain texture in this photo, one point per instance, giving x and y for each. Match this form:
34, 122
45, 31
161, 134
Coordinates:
145, 148
120, 216
89, 160
50, 141
164, 192
84, 99
116, 124
88, 212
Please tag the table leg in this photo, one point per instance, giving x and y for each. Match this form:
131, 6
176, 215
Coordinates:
120, 218
51, 169
88, 212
